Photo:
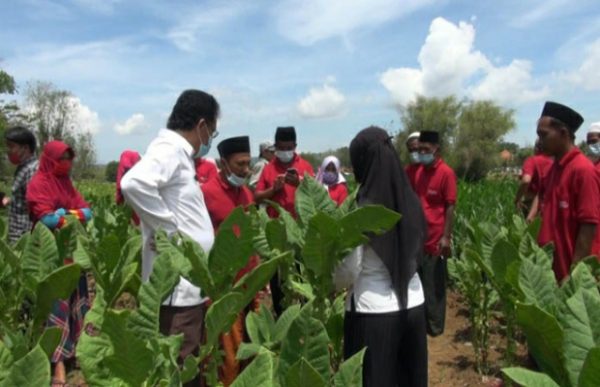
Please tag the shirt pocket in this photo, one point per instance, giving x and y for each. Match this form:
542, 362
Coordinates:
434, 196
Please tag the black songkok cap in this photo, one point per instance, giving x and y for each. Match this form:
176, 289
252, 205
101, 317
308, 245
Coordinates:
233, 145
429, 136
285, 133
564, 114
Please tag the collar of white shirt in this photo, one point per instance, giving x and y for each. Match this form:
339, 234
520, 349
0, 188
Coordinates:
177, 139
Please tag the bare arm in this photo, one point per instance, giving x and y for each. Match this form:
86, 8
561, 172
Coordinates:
533, 211
525, 180
583, 244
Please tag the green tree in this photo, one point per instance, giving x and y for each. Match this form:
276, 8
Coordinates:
53, 115
439, 114
481, 126
8, 112
111, 171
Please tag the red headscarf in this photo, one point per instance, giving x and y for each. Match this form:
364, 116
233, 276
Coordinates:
128, 159
48, 192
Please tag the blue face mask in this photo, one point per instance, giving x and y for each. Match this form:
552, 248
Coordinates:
414, 157
235, 180
426, 158
204, 149
594, 149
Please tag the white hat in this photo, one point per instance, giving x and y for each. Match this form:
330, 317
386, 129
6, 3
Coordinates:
594, 128
266, 145
413, 135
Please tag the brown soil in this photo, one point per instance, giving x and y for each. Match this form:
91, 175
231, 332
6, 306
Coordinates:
451, 355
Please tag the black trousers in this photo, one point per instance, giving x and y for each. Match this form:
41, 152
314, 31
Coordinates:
433, 273
396, 347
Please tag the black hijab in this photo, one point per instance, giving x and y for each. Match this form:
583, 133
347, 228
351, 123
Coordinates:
383, 181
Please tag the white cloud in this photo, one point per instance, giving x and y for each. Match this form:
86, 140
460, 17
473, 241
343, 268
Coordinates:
309, 21
587, 75
203, 21
449, 64
100, 6
325, 101
540, 10
133, 124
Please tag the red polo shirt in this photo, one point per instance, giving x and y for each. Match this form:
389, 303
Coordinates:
571, 196
537, 167
221, 199
436, 188
205, 170
411, 172
338, 193
287, 195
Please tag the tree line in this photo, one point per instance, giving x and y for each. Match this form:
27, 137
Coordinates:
51, 113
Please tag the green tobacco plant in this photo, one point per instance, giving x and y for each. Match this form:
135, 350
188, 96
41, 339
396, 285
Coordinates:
32, 278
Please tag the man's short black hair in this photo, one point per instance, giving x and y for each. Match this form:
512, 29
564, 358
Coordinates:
21, 135
191, 107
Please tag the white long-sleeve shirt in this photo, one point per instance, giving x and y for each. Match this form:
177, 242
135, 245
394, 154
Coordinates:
163, 191
368, 280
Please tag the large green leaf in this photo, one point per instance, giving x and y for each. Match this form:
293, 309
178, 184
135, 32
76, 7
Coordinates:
306, 338
31, 370
199, 274
294, 233
527, 378
284, 322
130, 361
259, 373
538, 284
503, 259
350, 372
260, 326
590, 373
312, 197
256, 280
320, 246
581, 322
6, 361
221, 316
40, 255
581, 278
58, 285
232, 249
544, 339
276, 235
164, 277
367, 219
50, 340
302, 374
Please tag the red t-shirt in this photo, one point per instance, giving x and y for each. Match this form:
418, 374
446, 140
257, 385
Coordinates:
537, 167
436, 188
287, 195
571, 196
338, 193
221, 199
205, 170
411, 172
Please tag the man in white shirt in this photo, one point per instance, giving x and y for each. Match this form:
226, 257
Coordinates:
266, 153
163, 191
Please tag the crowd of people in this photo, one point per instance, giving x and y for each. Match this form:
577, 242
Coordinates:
395, 283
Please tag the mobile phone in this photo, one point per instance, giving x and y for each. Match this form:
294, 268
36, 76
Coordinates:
292, 171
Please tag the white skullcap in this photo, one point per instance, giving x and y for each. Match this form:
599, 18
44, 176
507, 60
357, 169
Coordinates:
594, 128
413, 135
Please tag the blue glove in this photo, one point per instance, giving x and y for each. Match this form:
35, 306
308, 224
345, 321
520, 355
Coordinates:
51, 220
87, 213
60, 212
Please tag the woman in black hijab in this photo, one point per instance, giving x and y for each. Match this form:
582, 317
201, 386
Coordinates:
384, 310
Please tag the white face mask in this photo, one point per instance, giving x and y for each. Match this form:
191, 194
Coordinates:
284, 156
426, 158
204, 148
414, 157
233, 179
594, 149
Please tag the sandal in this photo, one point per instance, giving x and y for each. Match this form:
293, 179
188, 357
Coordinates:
58, 383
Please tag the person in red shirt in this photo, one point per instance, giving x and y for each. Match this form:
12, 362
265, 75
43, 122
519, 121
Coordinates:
571, 192
435, 185
127, 160
412, 145
222, 194
593, 142
535, 169
278, 182
331, 177
205, 169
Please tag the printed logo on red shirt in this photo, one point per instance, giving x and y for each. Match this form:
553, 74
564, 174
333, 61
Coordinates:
432, 192
563, 204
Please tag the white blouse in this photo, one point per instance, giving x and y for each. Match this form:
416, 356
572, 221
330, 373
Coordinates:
365, 276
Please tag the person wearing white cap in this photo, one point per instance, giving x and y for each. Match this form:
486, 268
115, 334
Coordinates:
593, 142
412, 145
266, 151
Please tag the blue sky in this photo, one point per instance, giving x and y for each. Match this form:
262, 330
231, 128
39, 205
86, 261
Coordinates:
328, 67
